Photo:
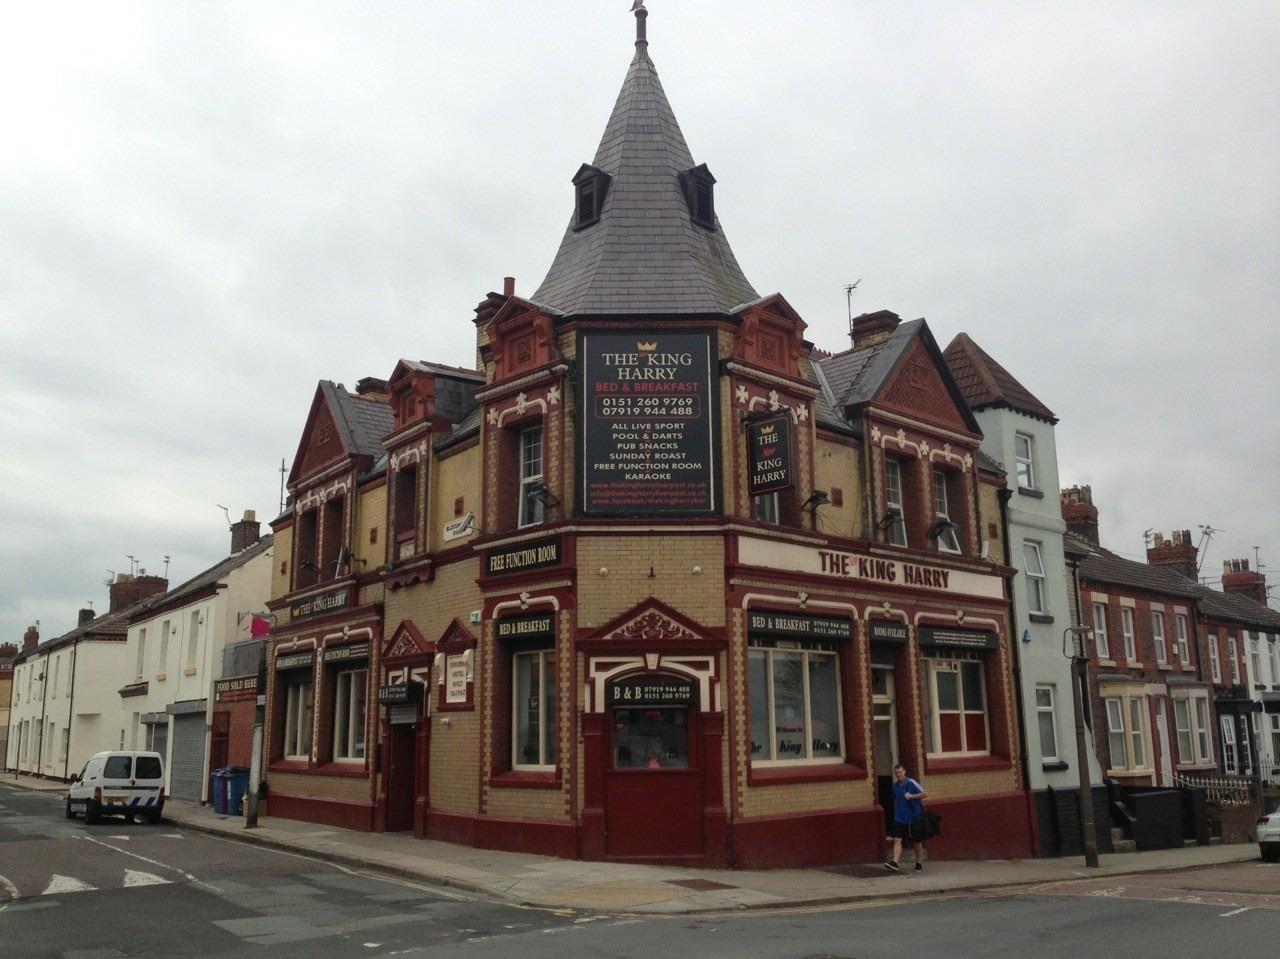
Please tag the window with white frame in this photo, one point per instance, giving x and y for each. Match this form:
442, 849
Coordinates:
1229, 758
531, 485
1115, 734
142, 650
1184, 649
165, 629
795, 708
533, 720
1204, 742
1275, 736
297, 716
956, 708
1128, 735
948, 542
1275, 668
349, 715
1255, 659
1126, 628
193, 636
1100, 630
1047, 720
896, 517
1024, 447
1137, 726
1191, 719
1214, 668
1157, 637
1033, 563
1233, 655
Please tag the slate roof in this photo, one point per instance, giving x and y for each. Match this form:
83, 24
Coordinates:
363, 422
107, 626
1103, 566
644, 254
455, 395
200, 581
1237, 608
984, 382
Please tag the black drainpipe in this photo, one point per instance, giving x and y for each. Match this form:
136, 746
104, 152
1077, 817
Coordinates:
1015, 640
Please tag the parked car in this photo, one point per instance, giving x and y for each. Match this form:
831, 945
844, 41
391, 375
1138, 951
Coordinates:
1269, 837
122, 783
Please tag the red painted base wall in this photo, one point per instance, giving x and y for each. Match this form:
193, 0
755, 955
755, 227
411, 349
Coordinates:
330, 812
984, 827
808, 839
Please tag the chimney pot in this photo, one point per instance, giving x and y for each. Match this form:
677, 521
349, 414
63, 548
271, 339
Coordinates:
246, 532
30, 639
86, 616
508, 286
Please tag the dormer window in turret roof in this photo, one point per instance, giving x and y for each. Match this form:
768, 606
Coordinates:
699, 193
590, 184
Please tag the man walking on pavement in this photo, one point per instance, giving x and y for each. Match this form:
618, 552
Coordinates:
907, 805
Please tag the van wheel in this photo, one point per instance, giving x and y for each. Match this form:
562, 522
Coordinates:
91, 813
70, 812
154, 815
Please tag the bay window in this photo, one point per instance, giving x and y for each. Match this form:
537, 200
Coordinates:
297, 716
795, 708
533, 717
955, 698
349, 714
1255, 658
1128, 735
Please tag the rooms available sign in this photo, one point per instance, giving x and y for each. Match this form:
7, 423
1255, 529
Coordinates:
648, 436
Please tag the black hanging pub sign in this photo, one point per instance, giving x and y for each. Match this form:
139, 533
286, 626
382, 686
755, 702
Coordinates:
769, 461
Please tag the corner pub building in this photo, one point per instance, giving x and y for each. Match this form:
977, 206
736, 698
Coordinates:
660, 581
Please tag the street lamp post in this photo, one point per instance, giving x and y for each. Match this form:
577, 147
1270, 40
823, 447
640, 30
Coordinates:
1073, 640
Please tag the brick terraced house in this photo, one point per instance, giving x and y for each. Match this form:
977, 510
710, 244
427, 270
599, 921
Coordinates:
659, 581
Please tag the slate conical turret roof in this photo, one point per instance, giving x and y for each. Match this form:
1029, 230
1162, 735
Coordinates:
645, 254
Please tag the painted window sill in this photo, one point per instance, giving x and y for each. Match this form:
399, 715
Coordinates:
966, 764
1055, 767
351, 770
1033, 493
1040, 617
1107, 662
826, 772
521, 779
189, 671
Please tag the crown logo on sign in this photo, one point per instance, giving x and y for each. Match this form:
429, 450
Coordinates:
644, 347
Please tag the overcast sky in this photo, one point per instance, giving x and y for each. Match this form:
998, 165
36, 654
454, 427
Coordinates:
206, 208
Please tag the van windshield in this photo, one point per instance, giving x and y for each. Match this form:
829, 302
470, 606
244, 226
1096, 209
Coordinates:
148, 767
118, 767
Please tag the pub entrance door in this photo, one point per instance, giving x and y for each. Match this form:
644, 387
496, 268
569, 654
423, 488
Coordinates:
884, 713
653, 787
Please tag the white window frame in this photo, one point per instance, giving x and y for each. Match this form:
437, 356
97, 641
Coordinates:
193, 639
1192, 723
1255, 659
1035, 577
142, 651
1215, 667
806, 652
1126, 628
350, 715
1275, 739
1230, 757
166, 628
1026, 465
1157, 638
1180, 628
1137, 728
764, 507
897, 531
1101, 644
1203, 729
532, 511
1132, 729
546, 748
948, 542
1274, 647
1051, 710
299, 698
956, 665
1114, 707
1234, 654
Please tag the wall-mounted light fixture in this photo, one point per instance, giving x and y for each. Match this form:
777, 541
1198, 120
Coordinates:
817, 498
540, 492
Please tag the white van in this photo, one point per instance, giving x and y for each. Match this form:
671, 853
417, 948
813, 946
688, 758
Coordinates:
122, 783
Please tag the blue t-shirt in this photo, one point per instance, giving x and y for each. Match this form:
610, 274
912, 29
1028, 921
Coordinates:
904, 809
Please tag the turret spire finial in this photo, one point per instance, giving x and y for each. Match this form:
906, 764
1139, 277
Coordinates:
641, 13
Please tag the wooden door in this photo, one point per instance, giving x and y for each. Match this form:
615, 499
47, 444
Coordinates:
401, 777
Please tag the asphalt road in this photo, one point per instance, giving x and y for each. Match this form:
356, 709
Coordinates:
113, 890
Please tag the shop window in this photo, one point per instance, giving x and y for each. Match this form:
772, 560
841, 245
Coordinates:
1180, 627
306, 571
946, 490
298, 697
533, 719
1157, 637
349, 714
955, 704
1130, 643
1024, 454
1100, 631
895, 518
1033, 563
795, 704
406, 512
1215, 669
1047, 719
334, 536
531, 484
1235, 660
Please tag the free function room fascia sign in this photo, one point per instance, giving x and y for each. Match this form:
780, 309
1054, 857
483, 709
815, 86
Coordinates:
338, 654
523, 557
867, 570
797, 626
319, 604
948, 638
651, 692
648, 423
539, 626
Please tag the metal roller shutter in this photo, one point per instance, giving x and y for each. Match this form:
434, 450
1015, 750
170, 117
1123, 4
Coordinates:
186, 773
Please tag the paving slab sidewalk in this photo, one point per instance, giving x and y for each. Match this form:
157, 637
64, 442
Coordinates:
643, 889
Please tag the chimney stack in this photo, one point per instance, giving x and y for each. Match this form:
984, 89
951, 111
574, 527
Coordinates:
872, 328
129, 589
7, 652
30, 639
1177, 553
1238, 578
508, 286
1079, 513
85, 617
246, 532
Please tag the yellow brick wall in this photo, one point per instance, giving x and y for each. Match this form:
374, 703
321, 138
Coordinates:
452, 477
989, 513
839, 465
282, 549
628, 559
967, 785
455, 761
371, 514
351, 789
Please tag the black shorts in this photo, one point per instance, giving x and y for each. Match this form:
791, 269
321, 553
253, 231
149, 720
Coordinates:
899, 830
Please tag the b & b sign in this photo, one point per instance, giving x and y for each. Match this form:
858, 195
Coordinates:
769, 455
